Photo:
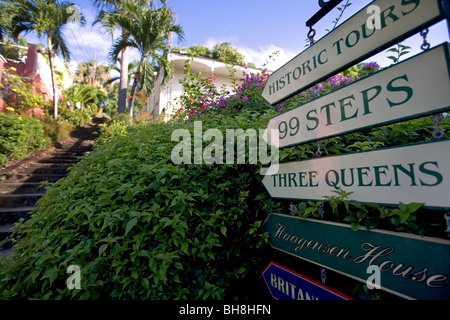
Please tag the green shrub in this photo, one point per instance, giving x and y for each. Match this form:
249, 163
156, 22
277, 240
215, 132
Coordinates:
142, 227
76, 118
20, 136
56, 130
117, 125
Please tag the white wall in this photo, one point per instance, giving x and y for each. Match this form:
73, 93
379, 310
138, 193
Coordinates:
164, 98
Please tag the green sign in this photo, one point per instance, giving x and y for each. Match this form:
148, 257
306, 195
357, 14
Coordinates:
411, 173
350, 43
415, 87
410, 266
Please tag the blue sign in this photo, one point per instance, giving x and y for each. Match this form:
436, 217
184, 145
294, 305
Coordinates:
285, 284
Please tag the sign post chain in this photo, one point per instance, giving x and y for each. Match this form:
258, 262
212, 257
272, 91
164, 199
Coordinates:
437, 133
425, 45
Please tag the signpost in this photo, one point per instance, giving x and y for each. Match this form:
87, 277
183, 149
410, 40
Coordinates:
411, 173
351, 43
285, 284
411, 266
415, 87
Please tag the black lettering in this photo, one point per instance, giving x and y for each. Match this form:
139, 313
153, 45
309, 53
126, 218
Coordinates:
343, 104
390, 14
334, 183
292, 179
320, 60
357, 36
327, 108
315, 119
364, 31
435, 174
378, 171
409, 173
344, 183
282, 82
299, 73
312, 175
407, 2
338, 46
407, 90
360, 176
366, 98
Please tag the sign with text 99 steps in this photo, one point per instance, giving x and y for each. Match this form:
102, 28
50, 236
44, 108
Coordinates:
351, 43
413, 88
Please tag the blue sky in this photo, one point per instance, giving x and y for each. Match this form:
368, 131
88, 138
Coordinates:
257, 28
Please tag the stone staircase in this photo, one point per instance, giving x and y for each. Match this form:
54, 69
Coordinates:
21, 186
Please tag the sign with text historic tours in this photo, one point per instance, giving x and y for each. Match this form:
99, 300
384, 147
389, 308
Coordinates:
351, 43
285, 284
415, 87
412, 267
411, 173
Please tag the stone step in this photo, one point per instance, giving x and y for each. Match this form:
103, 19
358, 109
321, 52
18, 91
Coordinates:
20, 187
60, 164
34, 177
13, 214
20, 200
59, 159
5, 231
42, 170
69, 148
6, 252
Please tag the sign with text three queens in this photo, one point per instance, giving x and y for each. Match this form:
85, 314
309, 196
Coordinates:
410, 173
350, 43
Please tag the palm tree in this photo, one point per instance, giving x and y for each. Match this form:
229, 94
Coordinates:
149, 31
87, 95
116, 8
47, 18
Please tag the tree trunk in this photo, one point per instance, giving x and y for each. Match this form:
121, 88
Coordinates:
122, 101
55, 102
131, 102
133, 88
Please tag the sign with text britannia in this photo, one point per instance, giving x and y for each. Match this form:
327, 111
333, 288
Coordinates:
412, 267
410, 173
350, 43
285, 284
415, 87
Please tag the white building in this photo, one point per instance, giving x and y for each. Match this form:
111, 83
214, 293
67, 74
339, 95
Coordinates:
163, 99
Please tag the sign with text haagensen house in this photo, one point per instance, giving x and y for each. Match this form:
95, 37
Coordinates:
412, 267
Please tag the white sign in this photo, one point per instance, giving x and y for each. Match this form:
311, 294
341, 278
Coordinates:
412, 173
413, 88
351, 43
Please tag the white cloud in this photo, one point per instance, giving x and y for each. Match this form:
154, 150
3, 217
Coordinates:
271, 56
259, 56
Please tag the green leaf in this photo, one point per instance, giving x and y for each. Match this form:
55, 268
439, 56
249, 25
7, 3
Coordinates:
241, 270
355, 226
130, 225
414, 206
185, 247
145, 283
102, 249
223, 229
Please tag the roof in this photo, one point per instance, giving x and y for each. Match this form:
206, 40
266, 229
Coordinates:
206, 64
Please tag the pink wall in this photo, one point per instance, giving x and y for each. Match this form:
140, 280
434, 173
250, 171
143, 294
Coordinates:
29, 70
2, 103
